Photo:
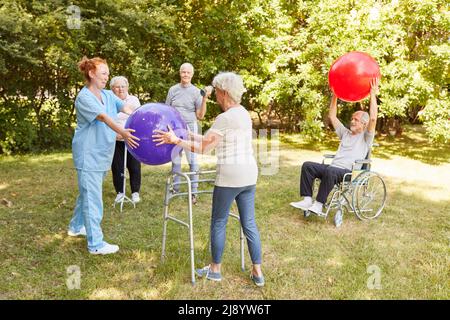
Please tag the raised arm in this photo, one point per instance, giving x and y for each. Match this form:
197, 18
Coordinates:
200, 112
373, 111
332, 114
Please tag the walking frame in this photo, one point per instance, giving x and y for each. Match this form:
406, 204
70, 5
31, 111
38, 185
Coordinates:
124, 198
170, 194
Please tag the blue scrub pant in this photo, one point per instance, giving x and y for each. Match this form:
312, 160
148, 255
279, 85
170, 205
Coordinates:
192, 160
223, 198
89, 207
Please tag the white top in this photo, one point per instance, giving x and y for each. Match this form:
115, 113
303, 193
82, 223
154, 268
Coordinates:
236, 165
352, 147
122, 117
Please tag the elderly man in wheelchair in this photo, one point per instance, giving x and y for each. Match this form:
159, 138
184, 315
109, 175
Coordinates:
355, 187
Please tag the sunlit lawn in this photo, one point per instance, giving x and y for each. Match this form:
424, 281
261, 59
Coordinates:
302, 259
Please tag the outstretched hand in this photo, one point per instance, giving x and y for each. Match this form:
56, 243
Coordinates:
165, 137
130, 139
374, 84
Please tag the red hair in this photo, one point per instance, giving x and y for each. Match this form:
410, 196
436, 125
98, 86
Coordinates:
86, 65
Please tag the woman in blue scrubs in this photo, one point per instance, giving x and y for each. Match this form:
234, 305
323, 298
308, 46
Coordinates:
93, 149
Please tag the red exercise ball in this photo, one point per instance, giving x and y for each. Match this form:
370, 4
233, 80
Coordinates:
350, 76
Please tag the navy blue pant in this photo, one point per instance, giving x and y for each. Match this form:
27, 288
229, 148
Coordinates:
328, 175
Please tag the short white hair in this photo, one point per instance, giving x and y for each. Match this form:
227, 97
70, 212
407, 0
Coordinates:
364, 118
232, 83
187, 65
118, 78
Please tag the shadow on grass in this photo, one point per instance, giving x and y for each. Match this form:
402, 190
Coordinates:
330, 142
413, 144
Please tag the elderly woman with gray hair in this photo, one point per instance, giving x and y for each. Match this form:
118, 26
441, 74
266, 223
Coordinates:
237, 172
119, 85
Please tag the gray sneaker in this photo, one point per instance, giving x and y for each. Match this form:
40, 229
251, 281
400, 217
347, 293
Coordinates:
206, 272
259, 281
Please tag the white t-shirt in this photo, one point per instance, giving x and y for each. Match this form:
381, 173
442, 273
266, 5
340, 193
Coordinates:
122, 117
236, 165
352, 147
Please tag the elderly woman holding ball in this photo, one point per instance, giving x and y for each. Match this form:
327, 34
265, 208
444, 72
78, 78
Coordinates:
237, 172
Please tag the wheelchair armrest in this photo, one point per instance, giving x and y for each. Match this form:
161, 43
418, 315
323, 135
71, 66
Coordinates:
327, 156
365, 161
365, 165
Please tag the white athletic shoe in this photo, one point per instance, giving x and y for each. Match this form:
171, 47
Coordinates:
106, 249
82, 232
135, 197
317, 208
119, 197
305, 204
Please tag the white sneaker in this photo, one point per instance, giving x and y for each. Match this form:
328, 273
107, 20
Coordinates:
119, 197
305, 204
106, 249
135, 197
317, 208
82, 232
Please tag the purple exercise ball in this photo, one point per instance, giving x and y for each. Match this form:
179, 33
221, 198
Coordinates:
149, 117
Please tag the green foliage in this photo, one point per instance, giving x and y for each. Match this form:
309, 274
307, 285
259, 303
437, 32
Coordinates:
436, 116
283, 49
18, 132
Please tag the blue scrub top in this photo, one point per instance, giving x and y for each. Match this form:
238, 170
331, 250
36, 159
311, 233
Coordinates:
94, 141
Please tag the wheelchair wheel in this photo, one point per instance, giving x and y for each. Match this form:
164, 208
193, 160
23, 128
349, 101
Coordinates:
369, 195
338, 218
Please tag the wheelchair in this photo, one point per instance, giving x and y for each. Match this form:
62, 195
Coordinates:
362, 192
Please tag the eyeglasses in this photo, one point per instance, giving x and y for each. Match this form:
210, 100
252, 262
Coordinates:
120, 87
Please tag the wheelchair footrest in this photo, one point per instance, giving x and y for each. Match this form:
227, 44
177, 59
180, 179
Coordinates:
307, 213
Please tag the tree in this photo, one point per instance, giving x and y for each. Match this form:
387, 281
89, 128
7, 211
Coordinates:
282, 48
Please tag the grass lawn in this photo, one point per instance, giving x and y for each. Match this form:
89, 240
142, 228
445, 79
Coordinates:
302, 258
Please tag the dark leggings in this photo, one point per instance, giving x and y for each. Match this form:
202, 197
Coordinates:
133, 166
